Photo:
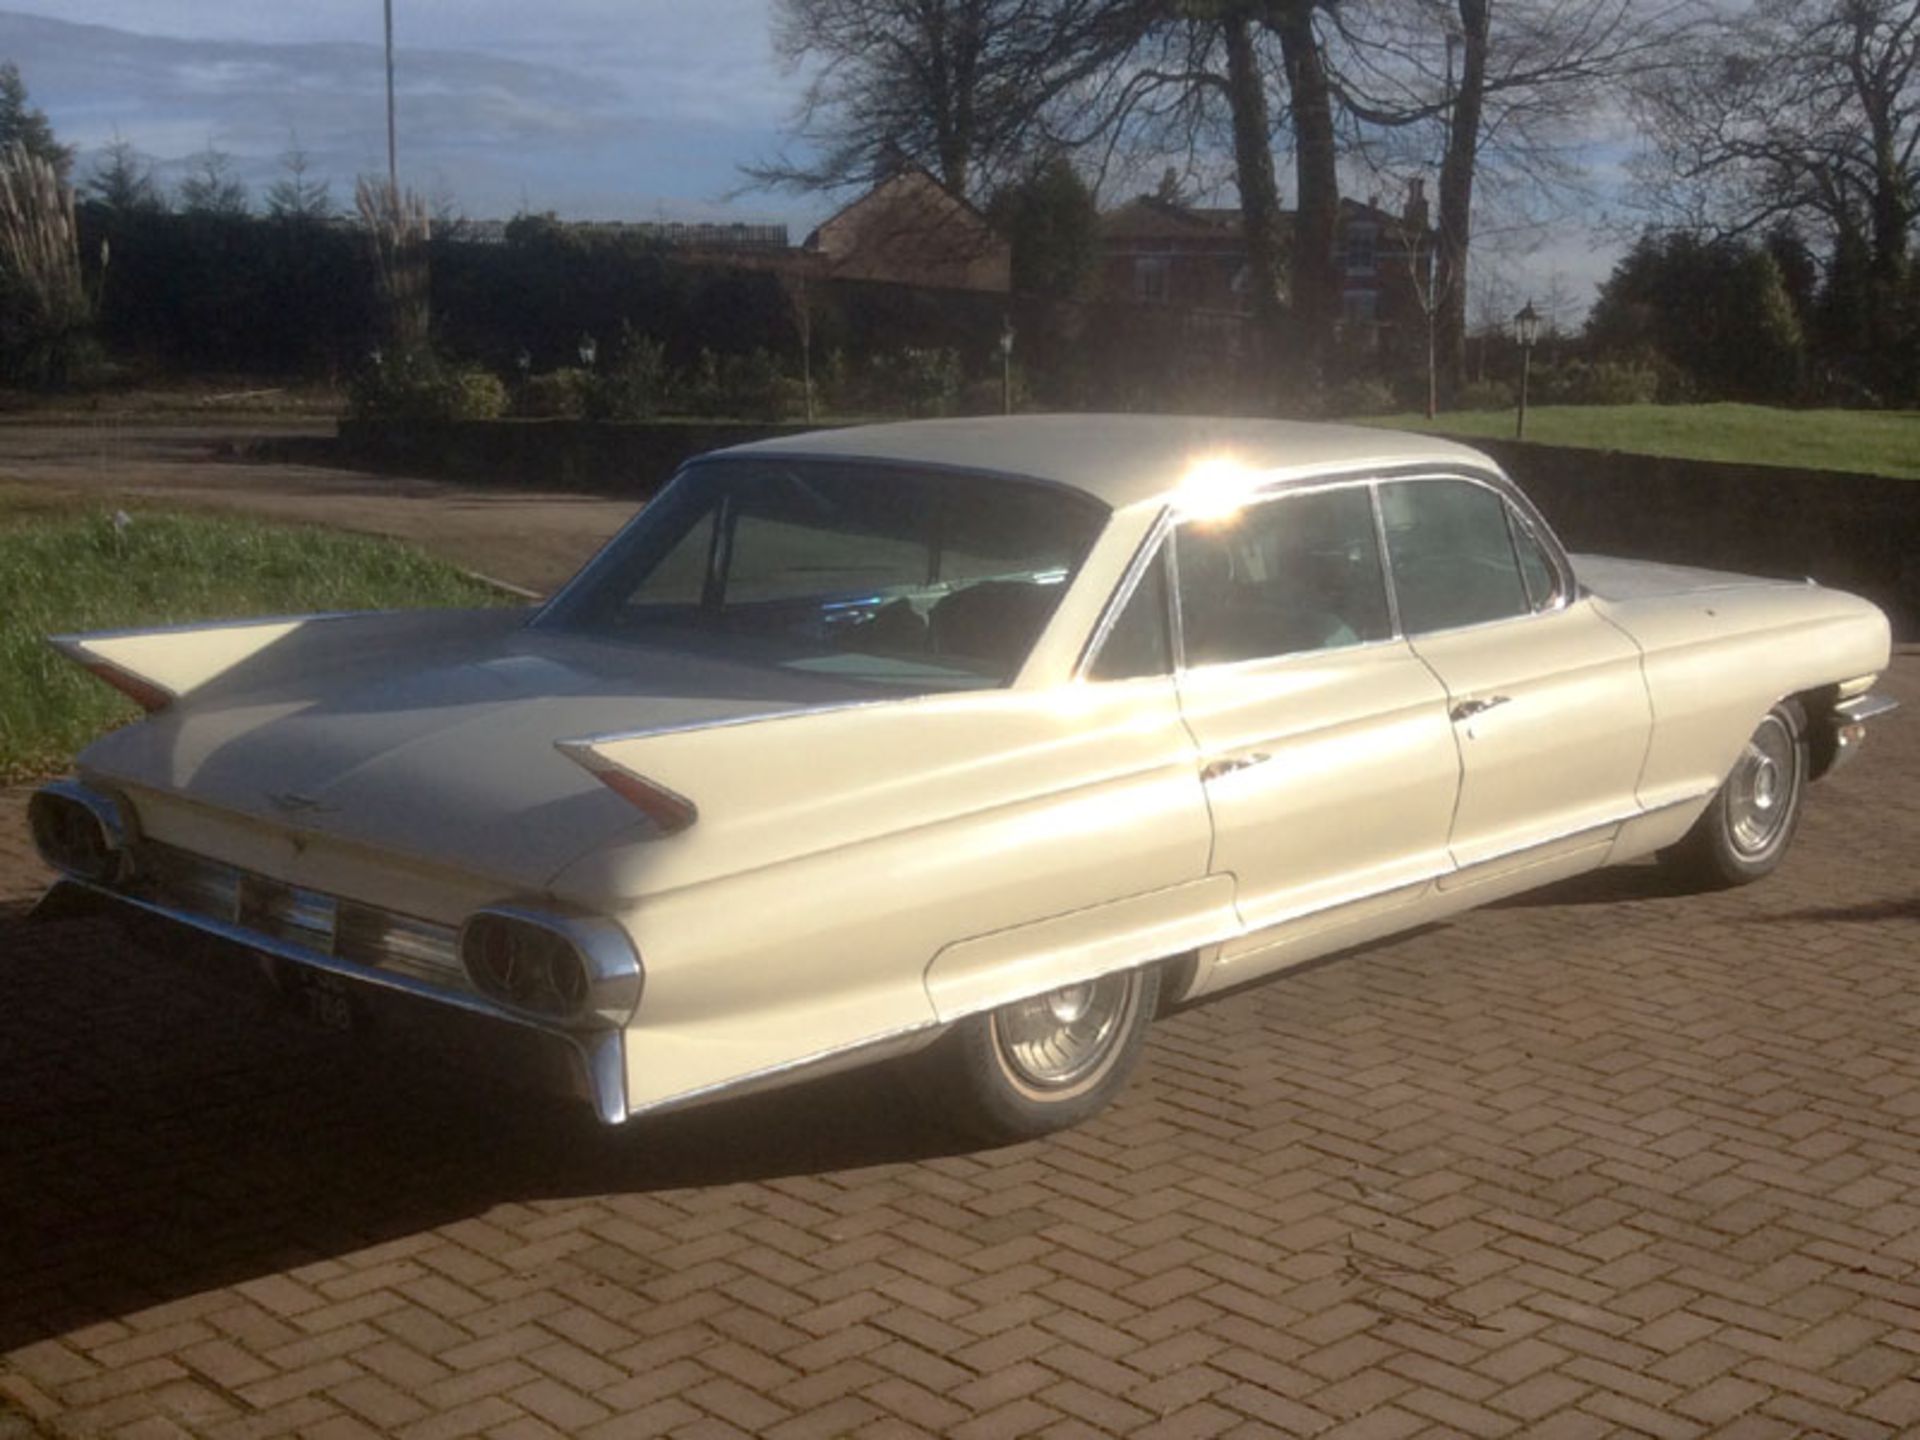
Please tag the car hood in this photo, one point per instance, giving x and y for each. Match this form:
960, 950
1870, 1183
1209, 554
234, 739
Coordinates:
446, 756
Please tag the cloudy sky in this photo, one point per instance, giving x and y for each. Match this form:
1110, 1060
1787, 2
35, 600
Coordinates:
594, 109
615, 109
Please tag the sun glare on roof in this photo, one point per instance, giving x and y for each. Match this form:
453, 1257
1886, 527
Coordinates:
1214, 488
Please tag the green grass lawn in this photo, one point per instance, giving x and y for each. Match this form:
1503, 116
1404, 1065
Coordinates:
1875, 442
62, 570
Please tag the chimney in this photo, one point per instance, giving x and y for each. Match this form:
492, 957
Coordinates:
1415, 215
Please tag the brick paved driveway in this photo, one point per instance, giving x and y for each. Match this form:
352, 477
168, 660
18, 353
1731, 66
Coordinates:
1611, 1160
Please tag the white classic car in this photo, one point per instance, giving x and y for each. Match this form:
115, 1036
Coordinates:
982, 738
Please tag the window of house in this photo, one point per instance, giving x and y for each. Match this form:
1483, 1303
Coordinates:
1362, 241
1360, 307
1150, 278
1298, 573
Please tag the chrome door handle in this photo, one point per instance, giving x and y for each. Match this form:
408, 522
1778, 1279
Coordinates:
1467, 709
1214, 769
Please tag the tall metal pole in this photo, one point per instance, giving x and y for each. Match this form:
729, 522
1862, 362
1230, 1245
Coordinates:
1526, 373
393, 140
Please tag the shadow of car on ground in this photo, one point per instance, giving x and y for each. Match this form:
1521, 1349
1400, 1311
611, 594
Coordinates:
169, 1135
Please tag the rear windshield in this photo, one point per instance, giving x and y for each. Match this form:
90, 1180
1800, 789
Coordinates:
885, 574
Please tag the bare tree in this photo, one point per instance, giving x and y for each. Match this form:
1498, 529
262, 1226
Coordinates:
955, 86
1507, 85
1799, 111
1316, 284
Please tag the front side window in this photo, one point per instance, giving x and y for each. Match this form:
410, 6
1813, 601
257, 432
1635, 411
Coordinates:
867, 572
1536, 568
1452, 555
1298, 573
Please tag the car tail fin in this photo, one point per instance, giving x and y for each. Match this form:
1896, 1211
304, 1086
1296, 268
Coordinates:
155, 667
668, 809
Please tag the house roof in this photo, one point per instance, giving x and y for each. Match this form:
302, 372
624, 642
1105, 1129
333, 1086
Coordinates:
1149, 217
888, 190
1122, 460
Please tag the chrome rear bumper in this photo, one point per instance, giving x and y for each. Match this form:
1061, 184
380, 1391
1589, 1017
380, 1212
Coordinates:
585, 1064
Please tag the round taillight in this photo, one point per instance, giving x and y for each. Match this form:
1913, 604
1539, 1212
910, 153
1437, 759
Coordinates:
524, 965
78, 833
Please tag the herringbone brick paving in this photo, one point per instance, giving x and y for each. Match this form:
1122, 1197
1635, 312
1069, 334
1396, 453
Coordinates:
1610, 1160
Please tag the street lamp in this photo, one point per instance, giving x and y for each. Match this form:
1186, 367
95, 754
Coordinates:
588, 351
1526, 329
1006, 366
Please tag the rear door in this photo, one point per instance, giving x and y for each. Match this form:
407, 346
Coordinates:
1325, 747
1546, 698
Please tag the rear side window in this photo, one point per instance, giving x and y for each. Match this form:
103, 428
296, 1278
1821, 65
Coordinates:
1297, 573
1452, 555
1139, 643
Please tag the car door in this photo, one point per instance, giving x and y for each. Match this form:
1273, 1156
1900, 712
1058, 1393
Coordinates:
1327, 755
1546, 697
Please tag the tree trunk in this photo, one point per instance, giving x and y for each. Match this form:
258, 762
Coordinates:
1456, 194
1316, 282
1259, 196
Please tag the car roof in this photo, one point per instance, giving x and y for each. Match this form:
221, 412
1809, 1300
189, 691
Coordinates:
1122, 460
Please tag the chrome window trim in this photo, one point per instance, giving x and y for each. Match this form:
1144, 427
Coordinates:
1386, 562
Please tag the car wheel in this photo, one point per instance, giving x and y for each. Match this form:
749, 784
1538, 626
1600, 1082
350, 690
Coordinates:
1750, 822
1045, 1063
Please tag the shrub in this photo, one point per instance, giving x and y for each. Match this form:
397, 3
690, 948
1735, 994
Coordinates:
1484, 395
915, 381
1361, 397
634, 385
419, 385
556, 395
1608, 382
750, 386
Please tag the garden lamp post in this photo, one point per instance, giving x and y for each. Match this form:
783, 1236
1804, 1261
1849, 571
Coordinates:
523, 362
1526, 329
589, 350
1006, 366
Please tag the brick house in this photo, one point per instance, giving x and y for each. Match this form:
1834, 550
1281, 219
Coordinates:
1157, 252
911, 230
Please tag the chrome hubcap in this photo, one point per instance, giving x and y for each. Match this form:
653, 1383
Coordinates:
1060, 1038
1760, 791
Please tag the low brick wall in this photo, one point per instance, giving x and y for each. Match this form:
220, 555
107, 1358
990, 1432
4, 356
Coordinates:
577, 455
1856, 532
